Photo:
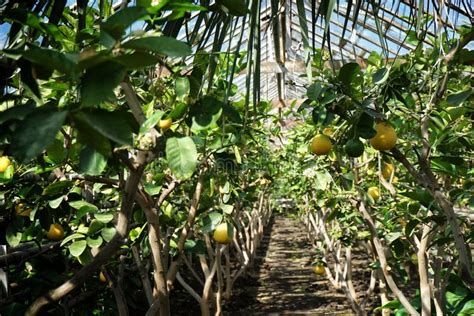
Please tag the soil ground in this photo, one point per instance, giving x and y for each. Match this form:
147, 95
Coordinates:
280, 281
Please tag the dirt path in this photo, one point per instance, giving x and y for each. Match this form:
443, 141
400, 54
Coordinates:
282, 282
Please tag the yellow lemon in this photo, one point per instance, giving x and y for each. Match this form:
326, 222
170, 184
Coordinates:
374, 192
386, 137
165, 124
21, 210
102, 277
321, 144
56, 232
319, 269
4, 163
387, 170
222, 235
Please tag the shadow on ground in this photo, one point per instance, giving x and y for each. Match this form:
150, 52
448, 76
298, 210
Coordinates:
281, 280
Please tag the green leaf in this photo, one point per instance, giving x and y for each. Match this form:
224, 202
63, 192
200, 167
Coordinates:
178, 111
72, 237
205, 113
151, 121
13, 236
29, 80
135, 233
108, 233
314, 91
83, 204
85, 258
421, 195
210, 221
56, 151
468, 308
136, 60
182, 157
104, 217
18, 112
77, 248
113, 125
91, 162
227, 208
163, 45
89, 136
83, 208
97, 242
182, 87
391, 237
116, 24
459, 97
94, 227
365, 126
54, 204
57, 187
194, 246
454, 298
380, 76
348, 72
36, 132
152, 189
98, 83
323, 178
50, 59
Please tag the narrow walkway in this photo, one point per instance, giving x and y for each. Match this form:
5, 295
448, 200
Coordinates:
283, 282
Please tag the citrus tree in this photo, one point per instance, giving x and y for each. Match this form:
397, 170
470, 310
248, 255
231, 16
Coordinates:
391, 173
124, 168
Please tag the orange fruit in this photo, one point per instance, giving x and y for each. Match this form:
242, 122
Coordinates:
321, 145
102, 277
222, 235
386, 137
387, 170
374, 193
4, 163
21, 210
319, 269
165, 124
56, 232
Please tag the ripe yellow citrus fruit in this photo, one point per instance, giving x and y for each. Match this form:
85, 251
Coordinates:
374, 193
354, 148
21, 210
395, 180
386, 137
102, 277
4, 163
56, 232
321, 144
165, 124
387, 170
319, 269
222, 235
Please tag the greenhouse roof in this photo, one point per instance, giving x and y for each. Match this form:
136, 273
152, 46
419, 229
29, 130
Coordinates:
285, 40
276, 33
